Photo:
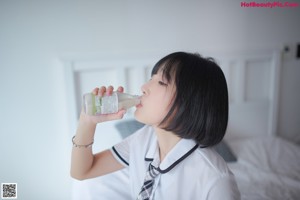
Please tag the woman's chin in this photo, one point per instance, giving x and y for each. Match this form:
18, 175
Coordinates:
138, 117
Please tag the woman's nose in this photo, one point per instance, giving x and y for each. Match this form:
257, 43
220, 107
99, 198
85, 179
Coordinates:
145, 89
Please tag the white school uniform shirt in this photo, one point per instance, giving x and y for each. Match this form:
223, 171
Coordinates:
187, 172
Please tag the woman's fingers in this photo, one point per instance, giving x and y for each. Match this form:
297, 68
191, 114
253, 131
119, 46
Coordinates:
109, 90
114, 116
95, 91
120, 89
106, 117
103, 91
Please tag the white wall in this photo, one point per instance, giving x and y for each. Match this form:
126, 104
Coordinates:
35, 137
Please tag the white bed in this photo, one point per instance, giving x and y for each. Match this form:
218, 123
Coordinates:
266, 166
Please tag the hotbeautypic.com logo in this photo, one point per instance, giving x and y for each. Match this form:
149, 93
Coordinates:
269, 4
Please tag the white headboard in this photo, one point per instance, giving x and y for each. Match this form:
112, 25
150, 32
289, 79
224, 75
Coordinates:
253, 83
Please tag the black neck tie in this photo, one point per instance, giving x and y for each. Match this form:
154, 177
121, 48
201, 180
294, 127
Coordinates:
147, 187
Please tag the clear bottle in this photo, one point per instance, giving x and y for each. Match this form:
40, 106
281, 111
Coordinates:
96, 105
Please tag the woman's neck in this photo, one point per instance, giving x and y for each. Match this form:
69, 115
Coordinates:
166, 141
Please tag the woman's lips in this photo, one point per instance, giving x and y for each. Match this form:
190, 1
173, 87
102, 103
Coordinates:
139, 105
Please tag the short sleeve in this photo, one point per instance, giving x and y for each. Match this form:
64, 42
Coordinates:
121, 151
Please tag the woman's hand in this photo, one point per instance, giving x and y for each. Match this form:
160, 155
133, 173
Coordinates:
103, 91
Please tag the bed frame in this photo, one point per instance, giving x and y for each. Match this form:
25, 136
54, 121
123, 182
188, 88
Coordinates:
253, 82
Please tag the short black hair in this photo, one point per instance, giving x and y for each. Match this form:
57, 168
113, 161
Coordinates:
200, 106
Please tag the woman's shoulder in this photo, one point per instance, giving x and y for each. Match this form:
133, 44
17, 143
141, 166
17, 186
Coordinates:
211, 161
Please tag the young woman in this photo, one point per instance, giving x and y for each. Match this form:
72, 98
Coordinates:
185, 108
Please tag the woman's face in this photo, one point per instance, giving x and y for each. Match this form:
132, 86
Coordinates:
156, 100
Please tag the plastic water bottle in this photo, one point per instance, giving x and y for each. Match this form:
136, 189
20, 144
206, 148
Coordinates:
96, 105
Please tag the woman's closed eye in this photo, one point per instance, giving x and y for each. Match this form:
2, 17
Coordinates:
162, 83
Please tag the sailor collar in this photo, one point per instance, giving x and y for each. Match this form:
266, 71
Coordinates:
178, 153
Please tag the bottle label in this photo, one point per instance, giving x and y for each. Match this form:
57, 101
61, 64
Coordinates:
98, 104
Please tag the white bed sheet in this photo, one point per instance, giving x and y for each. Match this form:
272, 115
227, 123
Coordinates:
268, 168
113, 186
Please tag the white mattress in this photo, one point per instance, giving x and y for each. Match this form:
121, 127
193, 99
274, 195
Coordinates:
109, 187
267, 168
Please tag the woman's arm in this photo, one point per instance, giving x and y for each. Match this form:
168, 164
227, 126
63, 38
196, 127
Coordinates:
84, 164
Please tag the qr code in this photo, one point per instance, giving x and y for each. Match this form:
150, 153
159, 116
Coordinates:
9, 190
